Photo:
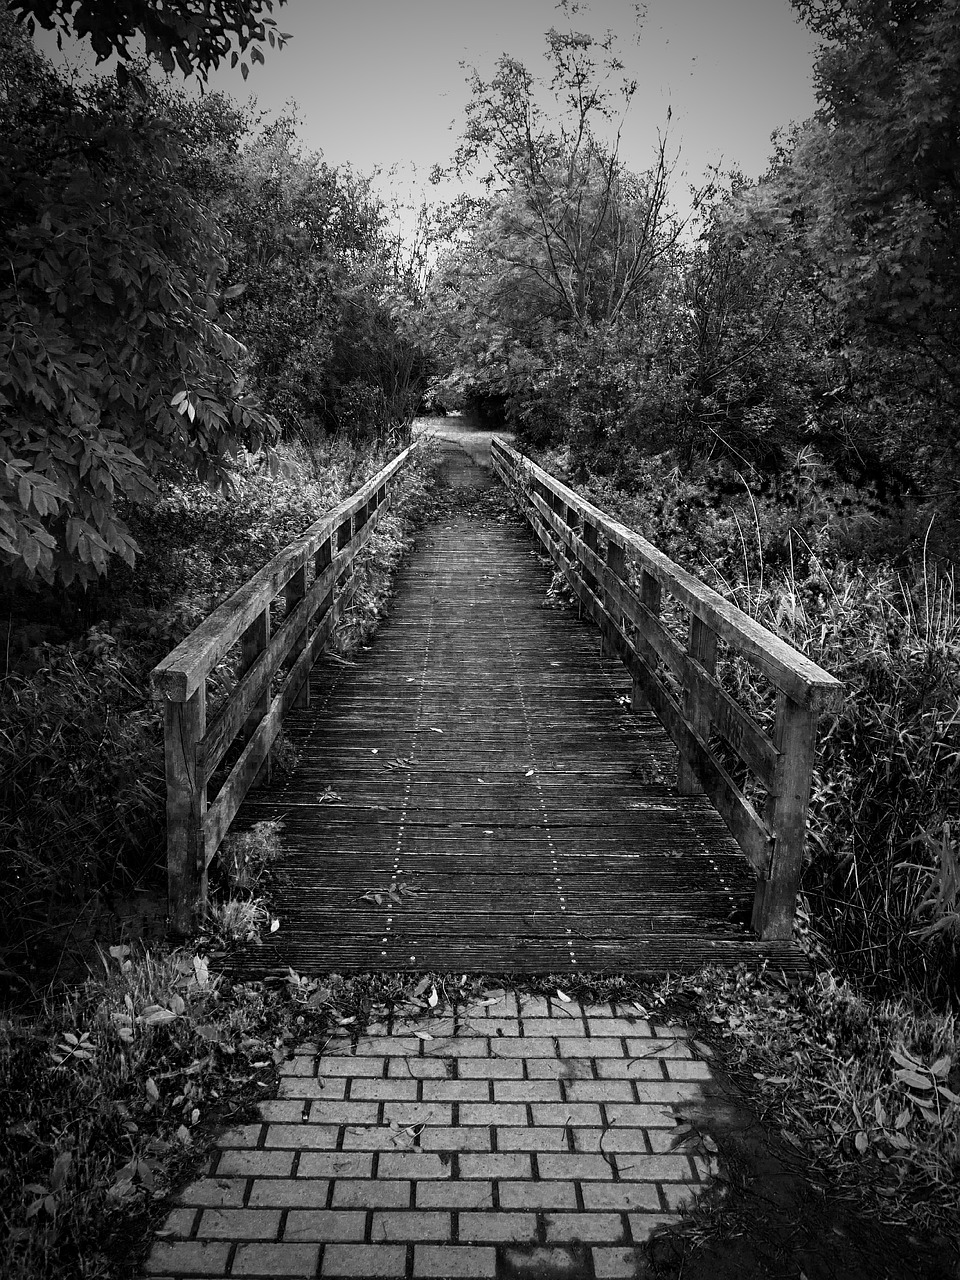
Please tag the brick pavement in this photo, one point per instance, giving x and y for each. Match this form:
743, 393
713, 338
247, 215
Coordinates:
522, 1136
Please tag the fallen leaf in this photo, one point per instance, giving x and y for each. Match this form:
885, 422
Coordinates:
433, 730
562, 995
433, 999
423, 1035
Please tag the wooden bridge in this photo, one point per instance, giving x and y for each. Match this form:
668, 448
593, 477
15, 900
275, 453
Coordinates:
494, 784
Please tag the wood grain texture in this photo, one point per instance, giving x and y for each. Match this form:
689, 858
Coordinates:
479, 768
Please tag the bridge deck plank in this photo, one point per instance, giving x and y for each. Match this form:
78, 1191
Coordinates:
480, 758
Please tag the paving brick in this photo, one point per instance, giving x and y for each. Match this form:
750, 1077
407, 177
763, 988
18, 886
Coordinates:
665, 1046
559, 1263
498, 1164
388, 1046
618, 1026
573, 1165
643, 1225
692, 1070
617, 1264
669, 1090
591, 1047
490, 1069
604, 1228
370, 1194
419, 1068
637, 1115
368, 1261
255, 1164
533, 1138
344, 1112
306, 1087
288, 1110
656, 1168
301, 1065
335, 1164
493, 1113
538, 1195
497, 1226
630, 1068
239, 1224
456, 1090
454, 1195
303, 1137
325, 1224
667, 1140
534, 1006
563, 1113
405, 1113
501, 1026
370, 1066
286, 1193
434, 1027
560, 1068
287, 1260
552, 1027
524, 1047
384, 1090
437, 1138
678, 1195
243, 1135
187, 1257
598, 1011
610, 1140
565, 1008
599, 1090
527, 1091
413, 1164
180, 1222
459, 1047
620, 1195
410, 1224
454, 1261
213, 1191
375, 1137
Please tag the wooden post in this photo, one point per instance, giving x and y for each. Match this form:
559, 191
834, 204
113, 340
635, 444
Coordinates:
795, 737
617, 564
650, 594
294, 592
252, 643
184, 724
589, 538
702, 648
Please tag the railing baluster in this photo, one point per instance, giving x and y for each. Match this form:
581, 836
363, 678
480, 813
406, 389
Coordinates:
795, 737
184, 724
293, 593
650, 597
252, 643
702, 648
617, 564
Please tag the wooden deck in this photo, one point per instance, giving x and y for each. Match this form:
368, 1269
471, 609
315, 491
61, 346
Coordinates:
481, 762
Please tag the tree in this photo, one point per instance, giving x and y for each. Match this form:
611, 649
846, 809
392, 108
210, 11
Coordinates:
115, 364
194, 35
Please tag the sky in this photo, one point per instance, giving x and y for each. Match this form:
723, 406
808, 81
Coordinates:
378, 83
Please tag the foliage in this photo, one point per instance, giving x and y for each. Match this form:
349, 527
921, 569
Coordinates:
111, 1093
192, 35
80, 752
809, 560
551, 301
113, 365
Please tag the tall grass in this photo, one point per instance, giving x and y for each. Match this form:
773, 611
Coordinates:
81, 802
815, 564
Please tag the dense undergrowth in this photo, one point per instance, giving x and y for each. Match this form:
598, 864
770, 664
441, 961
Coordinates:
854, 590
81, 809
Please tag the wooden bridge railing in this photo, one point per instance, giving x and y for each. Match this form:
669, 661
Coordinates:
314, 576
621, 580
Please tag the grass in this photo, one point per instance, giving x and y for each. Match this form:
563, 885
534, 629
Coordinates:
814, 565
81, 811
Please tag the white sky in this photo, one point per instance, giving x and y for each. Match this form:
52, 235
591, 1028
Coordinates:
378, 82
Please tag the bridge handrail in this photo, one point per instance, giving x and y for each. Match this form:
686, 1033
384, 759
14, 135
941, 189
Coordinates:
314, 575
622, 590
